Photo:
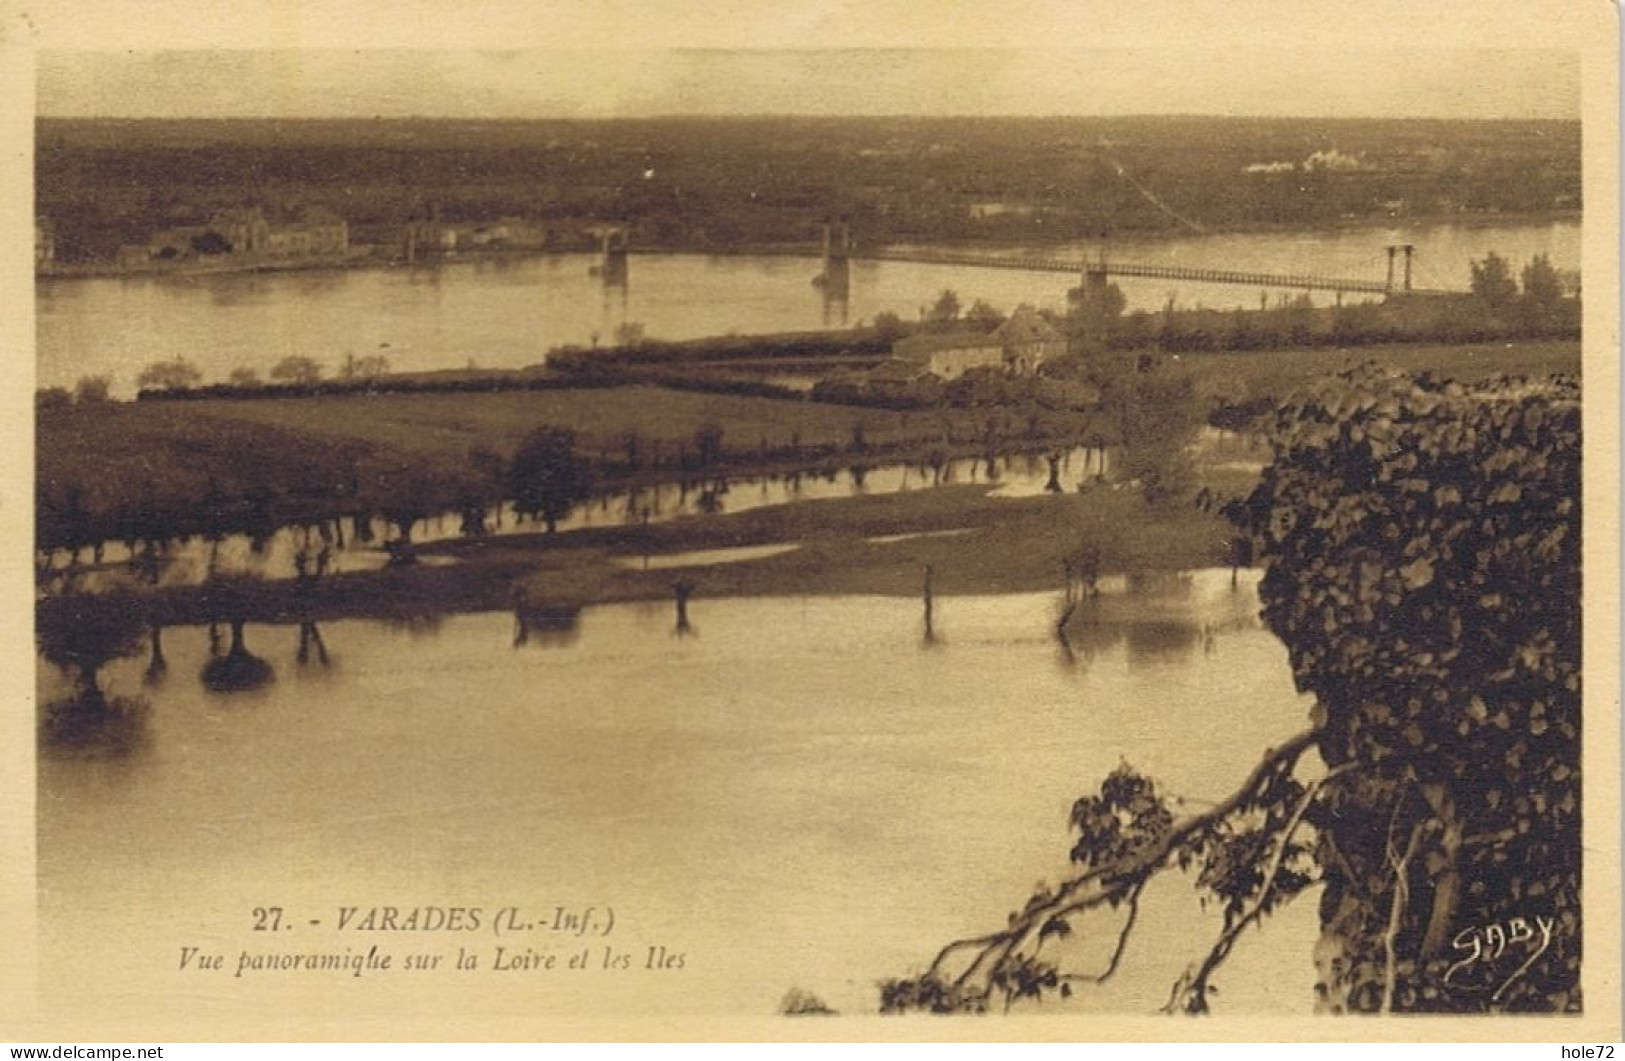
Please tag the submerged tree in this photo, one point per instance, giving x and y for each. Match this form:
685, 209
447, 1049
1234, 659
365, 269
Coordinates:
81, 635
546, 477
1421, 544
1157, 415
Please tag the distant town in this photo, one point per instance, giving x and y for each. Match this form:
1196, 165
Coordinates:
156, 195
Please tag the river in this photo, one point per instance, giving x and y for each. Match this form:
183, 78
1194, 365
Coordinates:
801, 793
510, 313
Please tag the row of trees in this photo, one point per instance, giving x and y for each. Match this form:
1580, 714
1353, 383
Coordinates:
257, 492
180, 374
1497, 307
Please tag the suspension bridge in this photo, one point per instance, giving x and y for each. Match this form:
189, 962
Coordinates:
838, 252
1103, 271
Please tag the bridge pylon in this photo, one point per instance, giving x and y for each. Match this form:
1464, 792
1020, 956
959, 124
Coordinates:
1410, 253
836, 278
614, 241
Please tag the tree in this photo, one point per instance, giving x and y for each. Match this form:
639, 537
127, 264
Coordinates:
1541, 283
1492, 281
481, 488
176, 375
1157, 415
243, 377
546, 477
1542, 301
81, 634
629, 333
369, 367
945, 310
1423, 572
296, 370
92, 390
1092, 313
983, 316
889, 327
635, 449
708, 443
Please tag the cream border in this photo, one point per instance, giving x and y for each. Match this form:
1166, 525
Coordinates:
1587, 26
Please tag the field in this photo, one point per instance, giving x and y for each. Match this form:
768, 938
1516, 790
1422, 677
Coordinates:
151, 465
451, 424
1276, 373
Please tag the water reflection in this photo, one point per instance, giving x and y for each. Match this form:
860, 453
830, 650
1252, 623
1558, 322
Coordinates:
157, 666
677, 762
682, 590
545, 624
311, 643
238, 670
421, 625
1156, 618
93, 726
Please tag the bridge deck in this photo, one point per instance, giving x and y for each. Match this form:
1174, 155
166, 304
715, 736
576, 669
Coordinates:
1076, 267
1292, 281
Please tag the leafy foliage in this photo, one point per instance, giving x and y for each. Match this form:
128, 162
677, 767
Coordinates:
945, 310
1156, 414
546, 477
176, 374
297, 370
1244, 852
92, 390
1423, 569
1492, 281
1422, 548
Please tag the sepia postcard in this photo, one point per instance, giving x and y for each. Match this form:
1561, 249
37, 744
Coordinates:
734, 521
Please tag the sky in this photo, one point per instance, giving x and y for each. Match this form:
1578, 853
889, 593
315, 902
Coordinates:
457, 82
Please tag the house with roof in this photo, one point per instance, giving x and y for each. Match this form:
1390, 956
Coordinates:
312, 232
245, 228
1018, 346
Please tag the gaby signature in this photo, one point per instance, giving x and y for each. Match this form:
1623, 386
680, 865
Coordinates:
1488, 942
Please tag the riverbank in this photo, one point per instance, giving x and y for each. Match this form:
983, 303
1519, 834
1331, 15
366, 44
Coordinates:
382, 256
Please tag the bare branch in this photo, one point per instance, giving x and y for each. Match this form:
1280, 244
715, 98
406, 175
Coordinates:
1122, 940
961, 944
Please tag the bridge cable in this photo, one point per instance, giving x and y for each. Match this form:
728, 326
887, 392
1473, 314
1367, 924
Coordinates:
1151, 197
